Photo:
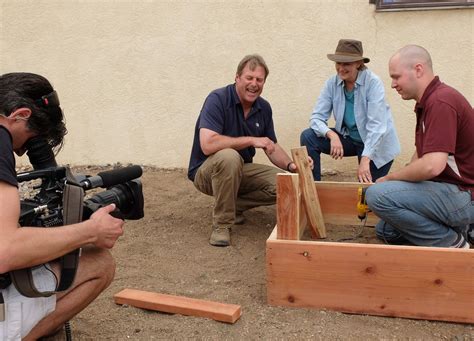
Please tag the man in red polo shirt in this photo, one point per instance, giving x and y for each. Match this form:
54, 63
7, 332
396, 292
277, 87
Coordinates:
429, 202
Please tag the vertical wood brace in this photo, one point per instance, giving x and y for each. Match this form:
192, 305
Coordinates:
291, 218
310, 196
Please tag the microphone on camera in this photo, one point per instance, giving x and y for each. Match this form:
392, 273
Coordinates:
112, 177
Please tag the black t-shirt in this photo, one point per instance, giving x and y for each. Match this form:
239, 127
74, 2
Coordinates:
7, 159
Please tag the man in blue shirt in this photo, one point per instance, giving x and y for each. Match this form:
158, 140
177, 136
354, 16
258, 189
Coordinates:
233, 122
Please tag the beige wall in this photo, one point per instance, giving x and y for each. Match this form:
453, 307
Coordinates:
132, 75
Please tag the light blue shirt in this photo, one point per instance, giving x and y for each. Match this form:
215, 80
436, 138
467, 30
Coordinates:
372, 115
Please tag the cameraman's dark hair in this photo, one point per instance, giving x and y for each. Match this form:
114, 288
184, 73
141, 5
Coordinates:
25, 90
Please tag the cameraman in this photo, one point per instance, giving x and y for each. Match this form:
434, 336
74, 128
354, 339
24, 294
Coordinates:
29, 108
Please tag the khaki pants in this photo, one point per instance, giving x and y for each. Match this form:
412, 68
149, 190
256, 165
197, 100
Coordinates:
235, 185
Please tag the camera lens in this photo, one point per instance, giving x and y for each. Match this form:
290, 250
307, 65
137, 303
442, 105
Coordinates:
128, 198
116, 195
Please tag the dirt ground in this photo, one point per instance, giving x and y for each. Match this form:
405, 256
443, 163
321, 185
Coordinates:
168, 252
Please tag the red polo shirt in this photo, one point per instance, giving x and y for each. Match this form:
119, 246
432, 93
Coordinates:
445, 123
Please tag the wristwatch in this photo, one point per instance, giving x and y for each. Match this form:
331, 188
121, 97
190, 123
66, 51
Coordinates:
288, 167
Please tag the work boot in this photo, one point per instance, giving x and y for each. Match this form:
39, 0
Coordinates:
239, 218
220, 236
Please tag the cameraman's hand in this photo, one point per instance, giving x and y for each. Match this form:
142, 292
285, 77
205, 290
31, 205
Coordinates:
107, 228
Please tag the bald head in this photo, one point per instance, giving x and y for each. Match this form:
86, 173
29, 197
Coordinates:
410, 55
411, 71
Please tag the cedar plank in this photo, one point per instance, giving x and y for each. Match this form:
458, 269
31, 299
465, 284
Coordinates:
228, 313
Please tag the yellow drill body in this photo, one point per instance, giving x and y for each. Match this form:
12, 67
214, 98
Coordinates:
362, 207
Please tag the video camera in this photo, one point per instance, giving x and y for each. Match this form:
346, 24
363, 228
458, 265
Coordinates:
45, 209
60, 201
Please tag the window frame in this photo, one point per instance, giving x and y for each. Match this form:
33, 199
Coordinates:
382, 5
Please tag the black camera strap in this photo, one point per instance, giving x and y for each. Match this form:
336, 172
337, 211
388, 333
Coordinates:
73, 197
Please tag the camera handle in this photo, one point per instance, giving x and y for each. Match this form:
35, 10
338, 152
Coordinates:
73, 197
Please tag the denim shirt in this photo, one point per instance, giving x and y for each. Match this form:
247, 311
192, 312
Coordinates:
372, 114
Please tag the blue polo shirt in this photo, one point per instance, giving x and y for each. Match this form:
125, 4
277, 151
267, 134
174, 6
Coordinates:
223, 113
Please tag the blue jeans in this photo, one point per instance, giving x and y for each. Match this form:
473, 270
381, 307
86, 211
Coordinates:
423, 213
317, 145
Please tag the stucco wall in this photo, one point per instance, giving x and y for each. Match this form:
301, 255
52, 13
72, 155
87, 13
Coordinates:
132, 75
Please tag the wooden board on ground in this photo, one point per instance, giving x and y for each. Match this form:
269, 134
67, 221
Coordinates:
310, 196
179, 305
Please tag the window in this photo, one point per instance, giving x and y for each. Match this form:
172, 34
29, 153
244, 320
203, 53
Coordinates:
394, 5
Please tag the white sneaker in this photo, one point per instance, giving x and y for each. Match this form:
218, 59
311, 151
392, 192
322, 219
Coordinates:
460, 243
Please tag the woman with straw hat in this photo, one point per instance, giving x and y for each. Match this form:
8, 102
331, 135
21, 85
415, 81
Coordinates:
364, 125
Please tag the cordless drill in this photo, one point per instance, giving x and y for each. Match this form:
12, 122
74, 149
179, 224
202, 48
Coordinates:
362, 208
